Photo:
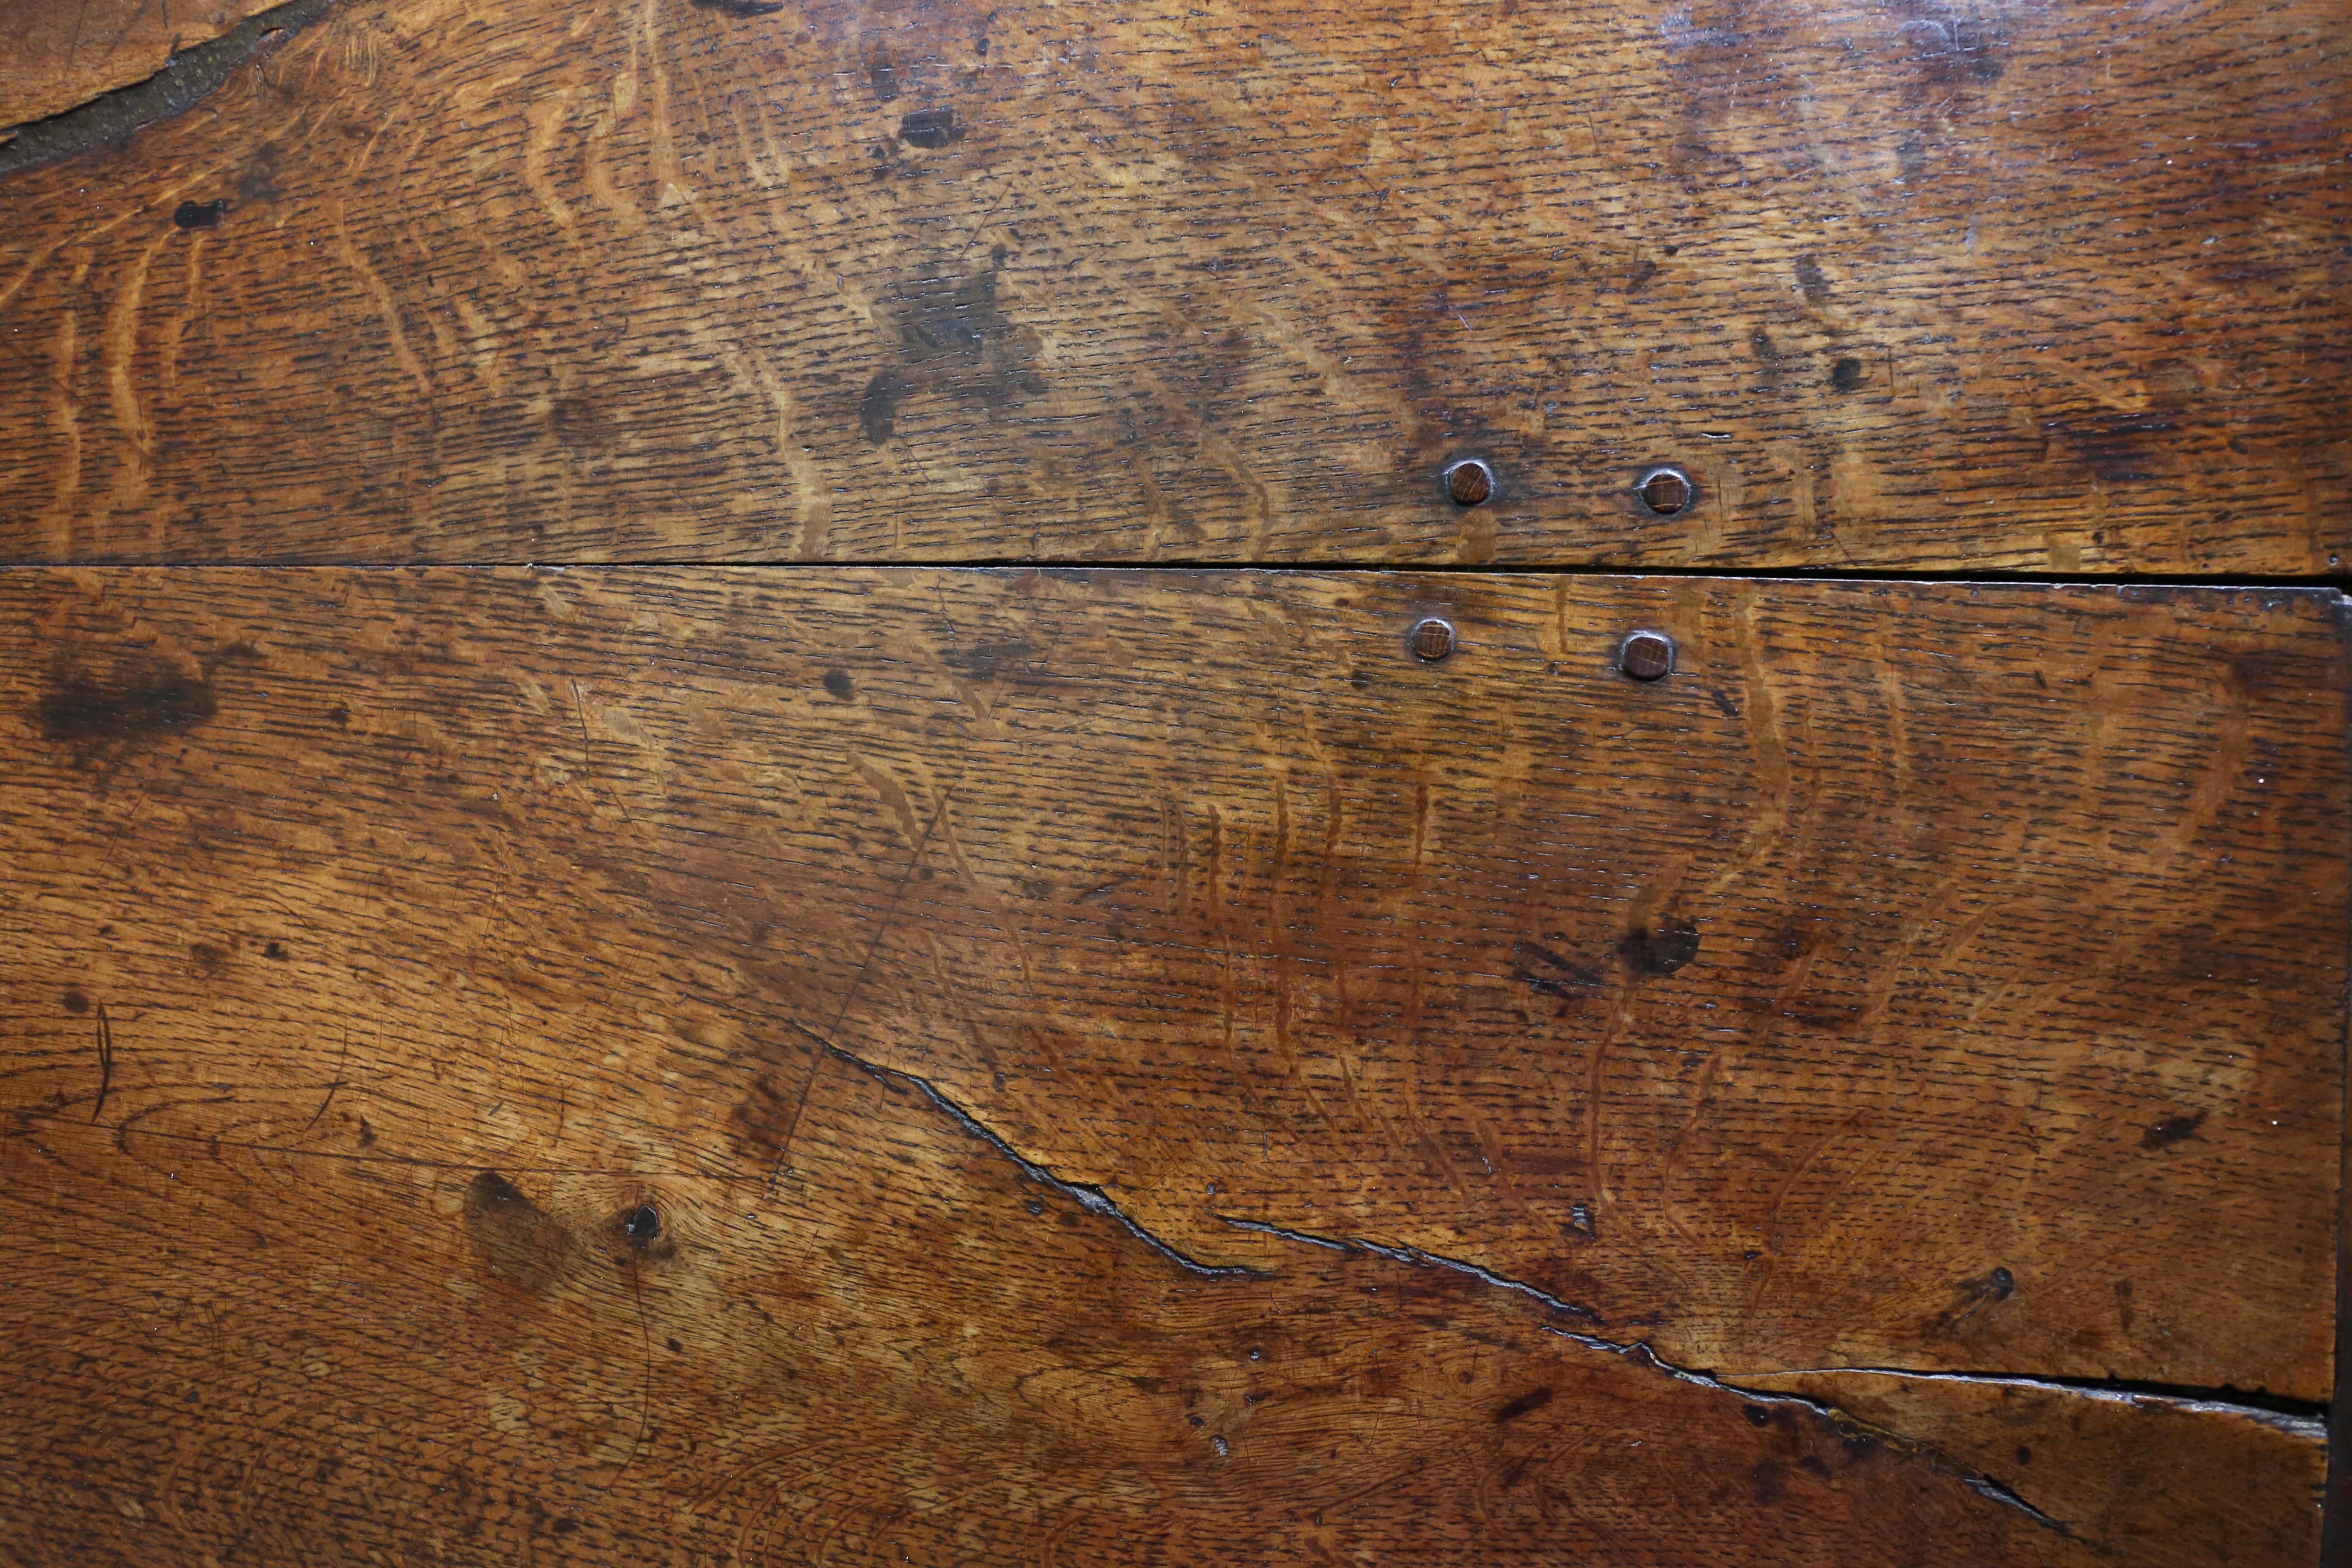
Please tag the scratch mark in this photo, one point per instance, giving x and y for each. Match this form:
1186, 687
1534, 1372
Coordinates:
588, 759
342, 1058
337, 1084
646, 1400
889, 913
105, 1062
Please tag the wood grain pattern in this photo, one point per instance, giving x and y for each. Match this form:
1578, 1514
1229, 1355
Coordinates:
2150, 1480
54, 54
900, 1352
1918, 977
1904, 283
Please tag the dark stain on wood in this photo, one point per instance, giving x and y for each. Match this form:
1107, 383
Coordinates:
520, 1242
1660, 950
82, 712
930, 128
1902, 355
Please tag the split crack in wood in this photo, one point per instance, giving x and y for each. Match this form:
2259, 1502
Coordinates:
1096, 1201
185, 80
1418, 1258
1091, 1198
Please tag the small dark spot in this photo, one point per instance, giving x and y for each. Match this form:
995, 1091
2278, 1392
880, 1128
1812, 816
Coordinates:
76, 1003
210, 962
275, 949
200, 214
1673, 945
741, 8
1770, 1478
884, 77
930, 128
1810, 279
341, 715
1750, 1256
2172, 1129
837, 682
1148, 1384
1976, 1292
367, 1134
84, 710
1534, 1399
564, 1526
1640, 274
642, 1225
1758, 1415
2024, 1454
1847, 374
674, 1345
878, 411
1035, 1205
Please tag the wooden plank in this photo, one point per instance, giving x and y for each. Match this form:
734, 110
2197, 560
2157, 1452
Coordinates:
1916, 978
57, 54
900, 1352
1921, 283
2151, 1480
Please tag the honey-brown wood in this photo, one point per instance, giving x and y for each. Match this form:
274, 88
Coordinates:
1915, 283
57, 54
640, 1065
2152, 1479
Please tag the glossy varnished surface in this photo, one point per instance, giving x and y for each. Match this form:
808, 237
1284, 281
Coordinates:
1909, 284
1916, 978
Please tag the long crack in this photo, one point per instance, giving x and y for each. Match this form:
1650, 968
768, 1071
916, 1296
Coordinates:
1416, 1257
2287, 1414
1641, 1354
1091, 1198
2302, 1418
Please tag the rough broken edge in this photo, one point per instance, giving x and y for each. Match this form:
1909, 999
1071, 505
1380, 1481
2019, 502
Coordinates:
185, 81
